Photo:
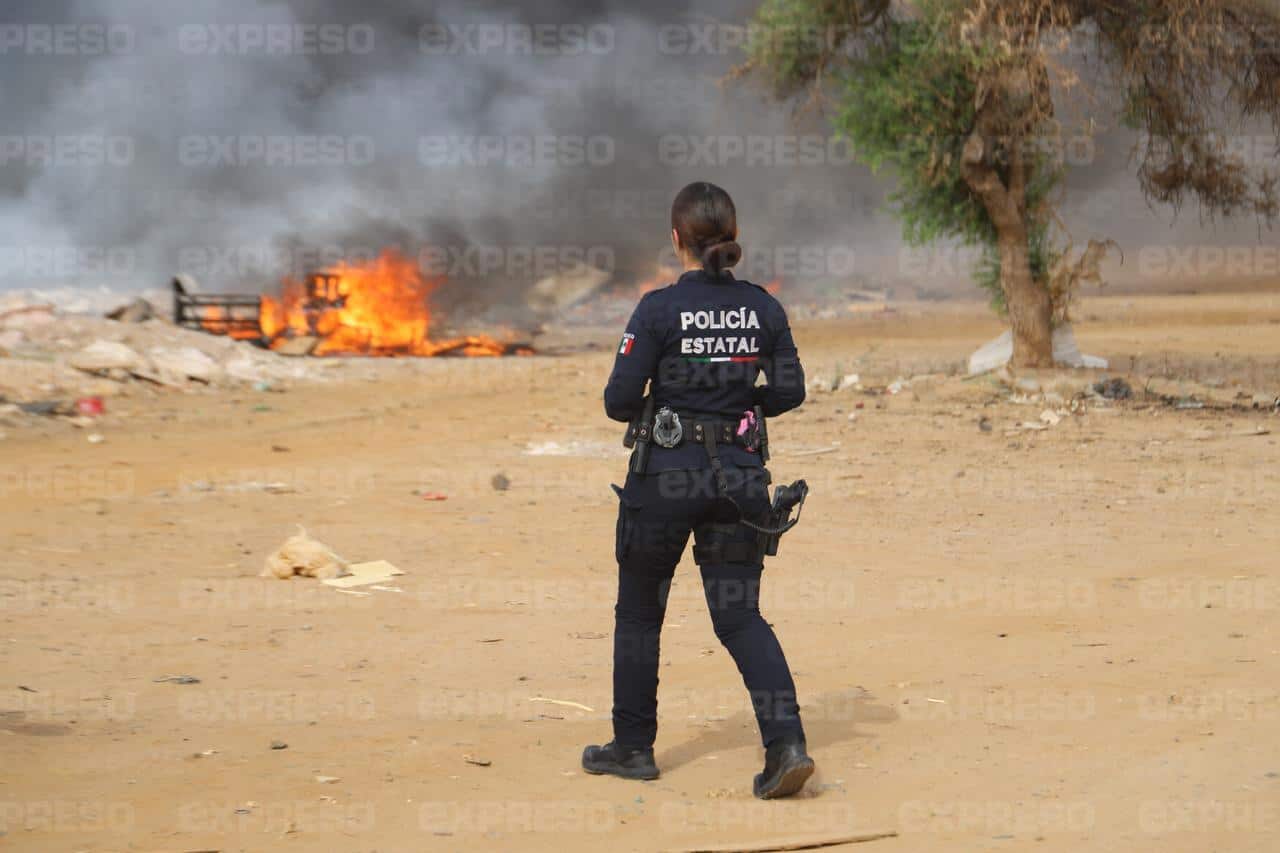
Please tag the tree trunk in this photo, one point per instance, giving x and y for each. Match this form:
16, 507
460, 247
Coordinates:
1030, 309
1027, 301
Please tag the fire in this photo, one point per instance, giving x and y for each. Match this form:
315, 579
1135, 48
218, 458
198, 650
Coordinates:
381, 307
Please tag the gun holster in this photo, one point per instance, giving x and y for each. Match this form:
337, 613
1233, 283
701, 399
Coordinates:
778, 520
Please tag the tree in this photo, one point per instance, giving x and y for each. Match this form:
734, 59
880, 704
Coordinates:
958, 98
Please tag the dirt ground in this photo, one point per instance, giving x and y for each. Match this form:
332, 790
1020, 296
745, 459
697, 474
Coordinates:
1004, 639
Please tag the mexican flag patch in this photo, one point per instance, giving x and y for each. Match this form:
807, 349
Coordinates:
627, 341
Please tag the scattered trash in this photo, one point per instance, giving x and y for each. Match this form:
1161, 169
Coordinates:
478, 762
302, 555
1050, 417
176, 679
328, 780
276, 488
564, 702
500, 482
364, 574
431, 496
849, 380
90, 406
817, 452
25, 689
895, 387
96, 438
1115, 388
46, 407
279, 744
984, 424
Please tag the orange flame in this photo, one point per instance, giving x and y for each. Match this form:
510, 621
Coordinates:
380, 307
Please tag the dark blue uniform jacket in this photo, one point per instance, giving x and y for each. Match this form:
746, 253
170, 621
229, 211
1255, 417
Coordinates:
703, 343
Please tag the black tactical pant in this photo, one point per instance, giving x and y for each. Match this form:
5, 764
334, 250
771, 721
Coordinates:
656, 516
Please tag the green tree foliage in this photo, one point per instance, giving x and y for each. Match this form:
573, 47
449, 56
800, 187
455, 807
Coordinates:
956, 99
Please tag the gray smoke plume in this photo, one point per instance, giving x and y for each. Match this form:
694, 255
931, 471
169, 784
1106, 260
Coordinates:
249, 140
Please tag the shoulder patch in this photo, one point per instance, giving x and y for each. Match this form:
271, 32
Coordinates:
628, 341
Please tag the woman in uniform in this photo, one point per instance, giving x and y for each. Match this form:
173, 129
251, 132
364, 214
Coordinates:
700, 345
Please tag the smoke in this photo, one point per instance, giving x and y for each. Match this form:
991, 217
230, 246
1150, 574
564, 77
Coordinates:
246, 141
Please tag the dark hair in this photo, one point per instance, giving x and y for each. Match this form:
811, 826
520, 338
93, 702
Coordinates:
706, 221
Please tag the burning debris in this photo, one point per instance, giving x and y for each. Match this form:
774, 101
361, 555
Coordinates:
378, 308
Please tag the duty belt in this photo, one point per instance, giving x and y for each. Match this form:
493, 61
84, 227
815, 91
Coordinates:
670, 429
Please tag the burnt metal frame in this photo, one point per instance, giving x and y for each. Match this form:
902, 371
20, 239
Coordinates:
236, 312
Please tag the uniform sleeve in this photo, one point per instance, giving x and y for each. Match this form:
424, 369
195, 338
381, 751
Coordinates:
785, 374
634, 365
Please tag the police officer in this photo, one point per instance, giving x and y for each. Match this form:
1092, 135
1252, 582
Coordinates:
700, 345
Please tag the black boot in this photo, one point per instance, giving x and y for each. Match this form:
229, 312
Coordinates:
786, 768
619, 761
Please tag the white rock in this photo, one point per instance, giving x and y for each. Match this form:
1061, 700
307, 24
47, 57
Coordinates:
242, 367
176, 364
849, 380
105, 355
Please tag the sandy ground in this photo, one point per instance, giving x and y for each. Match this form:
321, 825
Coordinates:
1004, 640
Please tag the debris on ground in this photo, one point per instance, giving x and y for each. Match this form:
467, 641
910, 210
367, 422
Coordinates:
564, 703
104, 357
302, 555
279, 744
176, 679
90, 406
137, 311
500, 482
478, 762
297, 346
1115, 388
364, 574
178, 364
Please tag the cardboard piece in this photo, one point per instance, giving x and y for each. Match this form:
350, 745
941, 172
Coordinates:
364, 574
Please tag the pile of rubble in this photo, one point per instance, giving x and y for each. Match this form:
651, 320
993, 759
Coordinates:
49, 353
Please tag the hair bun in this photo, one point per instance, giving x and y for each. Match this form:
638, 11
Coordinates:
718, 258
